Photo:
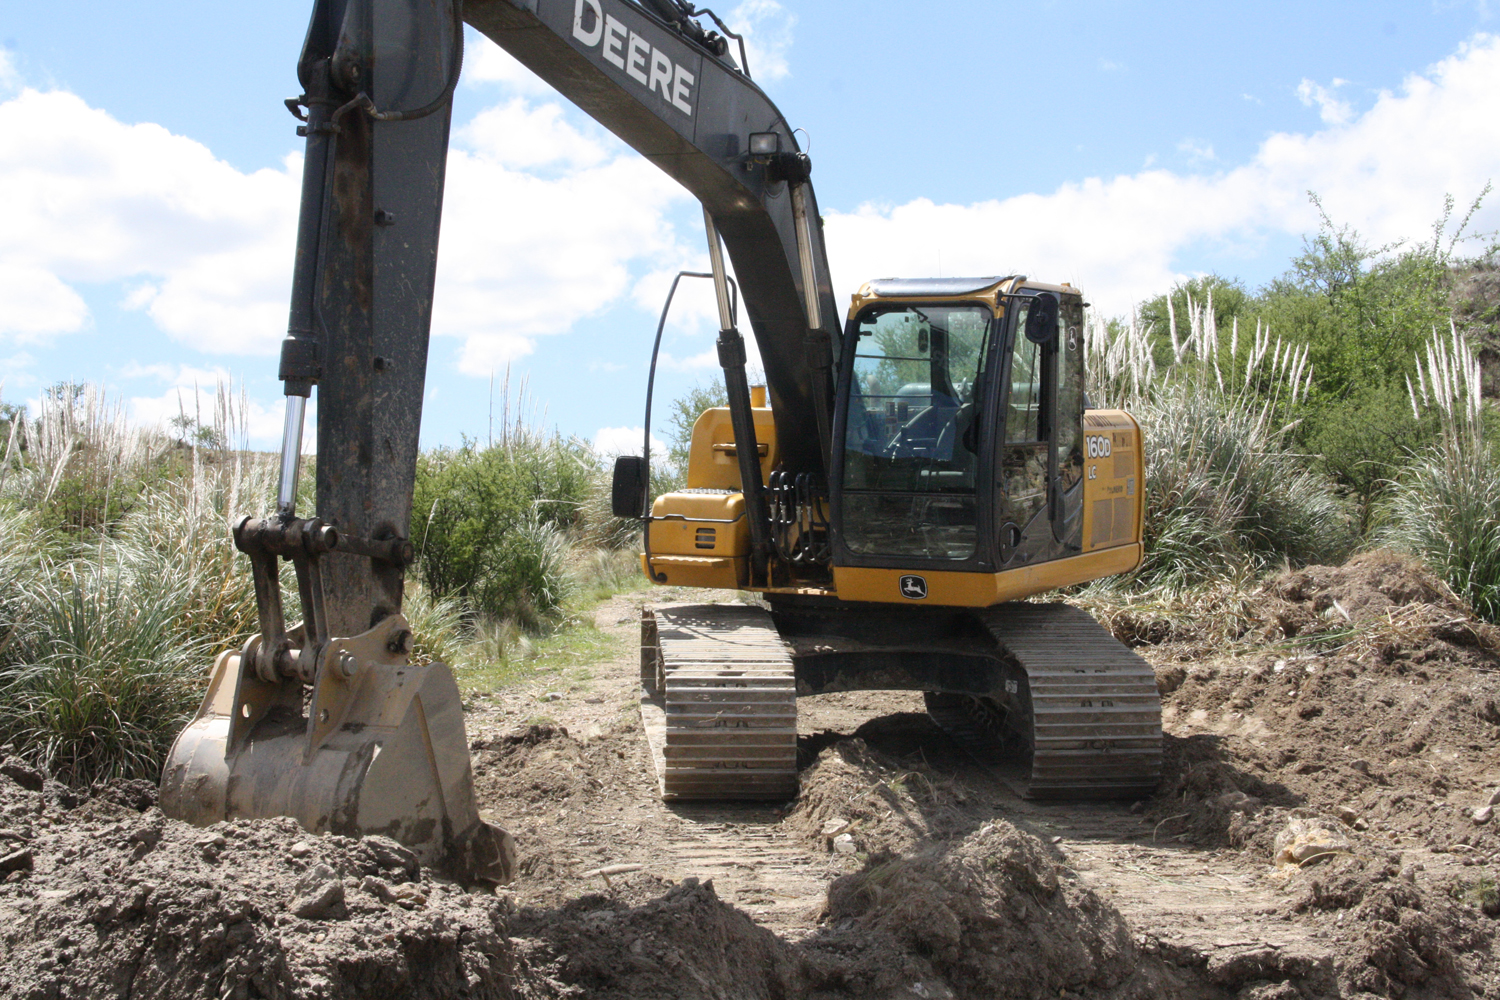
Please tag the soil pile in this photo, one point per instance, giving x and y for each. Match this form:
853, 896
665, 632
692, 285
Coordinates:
1377, 701
685, 944
106, 897
1402, 937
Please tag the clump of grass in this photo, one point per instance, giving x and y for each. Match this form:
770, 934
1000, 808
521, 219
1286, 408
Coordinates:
1227, 495
1445, 507
100, 676
112, 614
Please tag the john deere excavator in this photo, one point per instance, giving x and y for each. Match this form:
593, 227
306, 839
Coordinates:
894, 491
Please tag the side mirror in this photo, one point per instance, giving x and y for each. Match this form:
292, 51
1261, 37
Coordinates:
1041, 319
627, 496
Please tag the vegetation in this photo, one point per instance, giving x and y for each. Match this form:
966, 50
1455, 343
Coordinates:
1227, 494
1341, 405
121, 582
1336, 424
114, 603
1446, 502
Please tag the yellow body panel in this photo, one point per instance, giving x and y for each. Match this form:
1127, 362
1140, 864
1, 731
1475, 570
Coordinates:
980, 590
713, 462
1113, 476
699, 524
697, 571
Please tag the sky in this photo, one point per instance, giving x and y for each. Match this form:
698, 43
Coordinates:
149, 177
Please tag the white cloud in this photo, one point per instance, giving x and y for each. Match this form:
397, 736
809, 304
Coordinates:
1332, 110
486, 62
767, 29
91, 199
1386, 172
521, 135
37, 302
525, 255
626, 441
1110, 66
544, 225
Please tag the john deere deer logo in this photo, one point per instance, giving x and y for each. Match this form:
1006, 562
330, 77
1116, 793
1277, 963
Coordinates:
913, 587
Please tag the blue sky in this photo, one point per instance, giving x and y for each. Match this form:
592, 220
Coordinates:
150, 172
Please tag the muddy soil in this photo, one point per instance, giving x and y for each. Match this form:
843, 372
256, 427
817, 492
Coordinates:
1358, 707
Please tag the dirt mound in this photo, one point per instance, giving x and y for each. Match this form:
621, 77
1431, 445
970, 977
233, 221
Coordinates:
989, 915
1369, 694
1380, 603
685, 944
106, 897
873, 802
1402, 937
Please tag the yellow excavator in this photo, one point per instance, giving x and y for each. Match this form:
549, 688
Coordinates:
895, 489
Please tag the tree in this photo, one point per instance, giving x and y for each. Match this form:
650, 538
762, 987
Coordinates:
684, 413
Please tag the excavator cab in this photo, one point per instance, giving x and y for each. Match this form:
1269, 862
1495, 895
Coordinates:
962, 413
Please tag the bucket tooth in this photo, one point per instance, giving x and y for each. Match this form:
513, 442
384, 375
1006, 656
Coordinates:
380, 750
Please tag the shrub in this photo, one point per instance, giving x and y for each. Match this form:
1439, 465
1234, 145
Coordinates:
1364, 441
1446, 505
99, 676
488, 523
1226, 493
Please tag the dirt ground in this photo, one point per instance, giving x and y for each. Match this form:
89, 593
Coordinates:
1348, 719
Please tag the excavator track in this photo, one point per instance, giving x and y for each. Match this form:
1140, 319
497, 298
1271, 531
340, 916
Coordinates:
719, 703
1090, 712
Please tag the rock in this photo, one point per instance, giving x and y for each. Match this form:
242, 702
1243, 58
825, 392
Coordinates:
1138, 806
1494, 798
391, 856
1231, 801
1482, 815
319, 896
27, 777
17, 861
300, 849
378, 888
552, 696
844, 844
1348, 813
834, 827
1361, 765
1308, 839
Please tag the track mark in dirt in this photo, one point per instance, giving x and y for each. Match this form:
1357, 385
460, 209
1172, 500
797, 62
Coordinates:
753, 864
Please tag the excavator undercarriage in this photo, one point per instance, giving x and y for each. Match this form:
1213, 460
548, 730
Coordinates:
1042, 684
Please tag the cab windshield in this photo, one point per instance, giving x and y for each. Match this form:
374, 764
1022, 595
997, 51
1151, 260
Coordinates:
911, 440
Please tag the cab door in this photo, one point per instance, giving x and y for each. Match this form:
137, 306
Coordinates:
1039, 462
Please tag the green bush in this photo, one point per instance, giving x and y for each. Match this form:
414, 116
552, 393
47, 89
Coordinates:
1364, 441
488, 524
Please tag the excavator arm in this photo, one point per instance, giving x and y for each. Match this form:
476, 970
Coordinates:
662, 84
328, 720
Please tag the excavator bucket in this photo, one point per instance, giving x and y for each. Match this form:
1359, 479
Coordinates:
378, 748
